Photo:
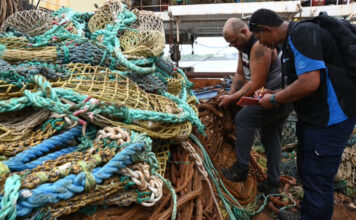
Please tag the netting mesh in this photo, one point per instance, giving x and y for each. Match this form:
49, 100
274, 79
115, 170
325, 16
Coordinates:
31, 22
347, 169
14, 42
160, 130
36, 136
19, 125
88, 52
105, 15
162, 155
102, 84
174, 85
47, 54
148, 37
8, 91
99, 21
288, 133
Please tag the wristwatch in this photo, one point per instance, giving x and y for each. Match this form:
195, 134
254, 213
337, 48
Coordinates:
273, 100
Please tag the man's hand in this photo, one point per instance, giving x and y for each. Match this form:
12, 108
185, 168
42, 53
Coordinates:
265, 102
260, 94
225, 100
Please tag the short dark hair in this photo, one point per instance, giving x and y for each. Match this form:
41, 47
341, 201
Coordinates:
263, 17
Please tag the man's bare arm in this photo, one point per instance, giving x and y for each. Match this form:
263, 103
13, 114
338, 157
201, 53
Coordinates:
260, 62
239, 78
306, 84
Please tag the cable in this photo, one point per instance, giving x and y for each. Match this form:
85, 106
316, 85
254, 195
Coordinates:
205, 59
211, 46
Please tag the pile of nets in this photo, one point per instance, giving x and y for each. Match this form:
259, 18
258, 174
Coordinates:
88, 109
89, 113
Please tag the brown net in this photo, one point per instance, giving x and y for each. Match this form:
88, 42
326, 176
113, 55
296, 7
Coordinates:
161, 131
14, 56
17, 125
99, 193
104, 85
99, 21
8, 91
14, 42
35, 137
113, 7
148, 37
162, 155
174, 86
106, 14
31, 22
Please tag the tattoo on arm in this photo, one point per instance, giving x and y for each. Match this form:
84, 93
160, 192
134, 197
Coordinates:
247, 91
260, 52
239, 85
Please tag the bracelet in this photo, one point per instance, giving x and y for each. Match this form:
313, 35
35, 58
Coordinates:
273, 100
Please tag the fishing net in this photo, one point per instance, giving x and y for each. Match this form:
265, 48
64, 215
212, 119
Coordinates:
8, 91
105, 15
174, 85
289, 137
162, 154
62, 67
165, 66
9, 149
45, 54
88, 52
104, 85
14, 42
99, 21
31, 22
18, 125
157, 130
149, 83
147, 39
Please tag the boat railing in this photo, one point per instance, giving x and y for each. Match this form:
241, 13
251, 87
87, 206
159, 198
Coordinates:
162, 5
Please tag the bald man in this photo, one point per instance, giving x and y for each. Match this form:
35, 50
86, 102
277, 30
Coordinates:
258, 66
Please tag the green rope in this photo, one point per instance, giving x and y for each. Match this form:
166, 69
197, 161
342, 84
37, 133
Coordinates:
2, 50
234, 211
174, 195
8, 202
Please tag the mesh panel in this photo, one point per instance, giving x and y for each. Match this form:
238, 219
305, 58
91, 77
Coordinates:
14, 42
162, 155
106, 14
31, 22
46, 54
148, 38
102, 84
19, 126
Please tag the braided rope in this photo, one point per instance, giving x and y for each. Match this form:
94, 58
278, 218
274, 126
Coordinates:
9, 200
199, 163
17, 163
72, 184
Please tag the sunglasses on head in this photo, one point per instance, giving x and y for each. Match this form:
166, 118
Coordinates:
256, 27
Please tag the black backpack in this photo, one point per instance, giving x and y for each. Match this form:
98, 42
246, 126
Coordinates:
345, 36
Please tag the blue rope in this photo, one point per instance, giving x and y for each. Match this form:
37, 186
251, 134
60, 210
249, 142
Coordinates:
67, 187
17, 163
33, 164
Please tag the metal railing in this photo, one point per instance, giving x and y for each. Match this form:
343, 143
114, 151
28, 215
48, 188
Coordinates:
162, 5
